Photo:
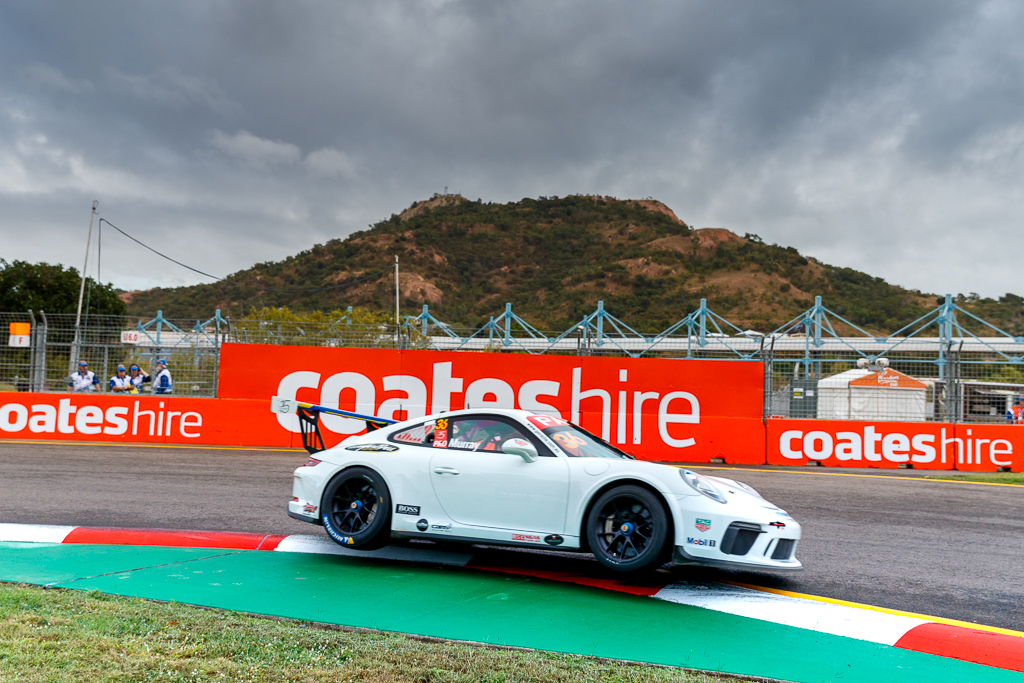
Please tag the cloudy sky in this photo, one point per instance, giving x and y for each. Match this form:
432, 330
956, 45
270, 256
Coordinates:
888, 137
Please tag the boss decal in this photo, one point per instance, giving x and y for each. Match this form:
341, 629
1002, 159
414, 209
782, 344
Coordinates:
407, 509
373, 447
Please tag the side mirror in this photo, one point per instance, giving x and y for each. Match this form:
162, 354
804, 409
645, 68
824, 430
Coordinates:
521, 447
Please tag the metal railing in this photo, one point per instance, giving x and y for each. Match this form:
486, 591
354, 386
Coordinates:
191, 349
958, 367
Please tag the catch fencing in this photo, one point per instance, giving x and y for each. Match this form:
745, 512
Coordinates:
948, 366
55, 345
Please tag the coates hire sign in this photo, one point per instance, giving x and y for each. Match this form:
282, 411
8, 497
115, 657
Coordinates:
682, 410
138, 419
921, 445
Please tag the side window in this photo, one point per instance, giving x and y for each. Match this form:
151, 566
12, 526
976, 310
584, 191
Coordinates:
486, 434
481, 434
417, 436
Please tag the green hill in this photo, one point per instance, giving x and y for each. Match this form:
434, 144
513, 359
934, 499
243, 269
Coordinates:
553, 259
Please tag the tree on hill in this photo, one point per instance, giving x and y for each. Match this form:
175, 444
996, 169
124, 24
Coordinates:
272, 325
53, 289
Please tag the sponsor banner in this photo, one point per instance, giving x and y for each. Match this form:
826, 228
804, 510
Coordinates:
673, 410
922, 445
984, 448
141, 419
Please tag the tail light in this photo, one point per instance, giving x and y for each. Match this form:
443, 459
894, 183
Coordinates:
312, 462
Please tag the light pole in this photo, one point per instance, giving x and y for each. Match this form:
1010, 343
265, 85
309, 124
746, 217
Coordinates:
81, 290
397, 328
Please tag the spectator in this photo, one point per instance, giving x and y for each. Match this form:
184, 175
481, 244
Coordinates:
84, 379
120, 381
1015, 415
137, 376
162, 383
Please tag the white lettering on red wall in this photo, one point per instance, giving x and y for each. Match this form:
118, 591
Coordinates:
87, 420
890, 443
622, 406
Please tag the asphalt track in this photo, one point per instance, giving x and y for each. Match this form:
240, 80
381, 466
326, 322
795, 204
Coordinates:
888, 539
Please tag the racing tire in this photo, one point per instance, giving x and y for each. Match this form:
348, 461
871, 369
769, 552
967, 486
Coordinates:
356, 509
628, 529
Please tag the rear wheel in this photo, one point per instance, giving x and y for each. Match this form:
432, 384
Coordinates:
356, 509
627, 529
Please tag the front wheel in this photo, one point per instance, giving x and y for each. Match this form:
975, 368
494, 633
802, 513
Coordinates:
628, 529
356, 509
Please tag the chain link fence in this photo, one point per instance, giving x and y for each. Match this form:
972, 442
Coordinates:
55, 346
809, 376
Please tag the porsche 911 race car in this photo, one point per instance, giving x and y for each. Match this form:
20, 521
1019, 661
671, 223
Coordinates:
517, 478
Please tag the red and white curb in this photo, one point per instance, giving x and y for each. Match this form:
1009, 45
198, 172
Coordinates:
223, 540
839, 620
979, 644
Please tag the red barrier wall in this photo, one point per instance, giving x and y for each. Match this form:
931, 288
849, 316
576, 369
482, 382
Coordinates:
716, 404
141, 419
923, 445
984, 448
672, 410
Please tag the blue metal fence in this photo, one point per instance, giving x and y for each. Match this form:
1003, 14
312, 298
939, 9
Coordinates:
972, 368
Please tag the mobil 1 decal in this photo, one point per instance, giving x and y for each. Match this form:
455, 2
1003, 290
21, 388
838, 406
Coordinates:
441, 433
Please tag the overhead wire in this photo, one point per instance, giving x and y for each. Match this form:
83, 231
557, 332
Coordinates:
241, 284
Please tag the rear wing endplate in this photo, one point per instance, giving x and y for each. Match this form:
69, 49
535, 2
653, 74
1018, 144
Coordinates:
309, 420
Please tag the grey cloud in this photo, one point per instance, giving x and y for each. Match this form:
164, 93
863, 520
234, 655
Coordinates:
254, 150
48, 77
331, 163
168, 86
872, 134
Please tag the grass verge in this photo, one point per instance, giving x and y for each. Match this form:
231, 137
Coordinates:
985, 477
65, 635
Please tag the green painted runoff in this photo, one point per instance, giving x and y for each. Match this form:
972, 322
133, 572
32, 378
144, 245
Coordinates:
477, 606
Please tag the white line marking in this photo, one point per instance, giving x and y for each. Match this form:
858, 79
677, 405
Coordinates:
839, 620
34, 533
321, 545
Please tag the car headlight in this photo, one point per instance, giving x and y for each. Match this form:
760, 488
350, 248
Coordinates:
748, 489
702, 485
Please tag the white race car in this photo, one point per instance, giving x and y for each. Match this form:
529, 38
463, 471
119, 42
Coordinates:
516, 478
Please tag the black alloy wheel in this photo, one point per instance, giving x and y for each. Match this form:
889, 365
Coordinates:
628, 529
356, 509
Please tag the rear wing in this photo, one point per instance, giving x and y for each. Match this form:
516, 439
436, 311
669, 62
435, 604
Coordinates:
309, 420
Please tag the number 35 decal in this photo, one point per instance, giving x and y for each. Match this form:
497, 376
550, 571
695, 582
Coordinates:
441, 433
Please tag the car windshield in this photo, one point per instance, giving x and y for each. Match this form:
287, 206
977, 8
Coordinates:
576, 441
